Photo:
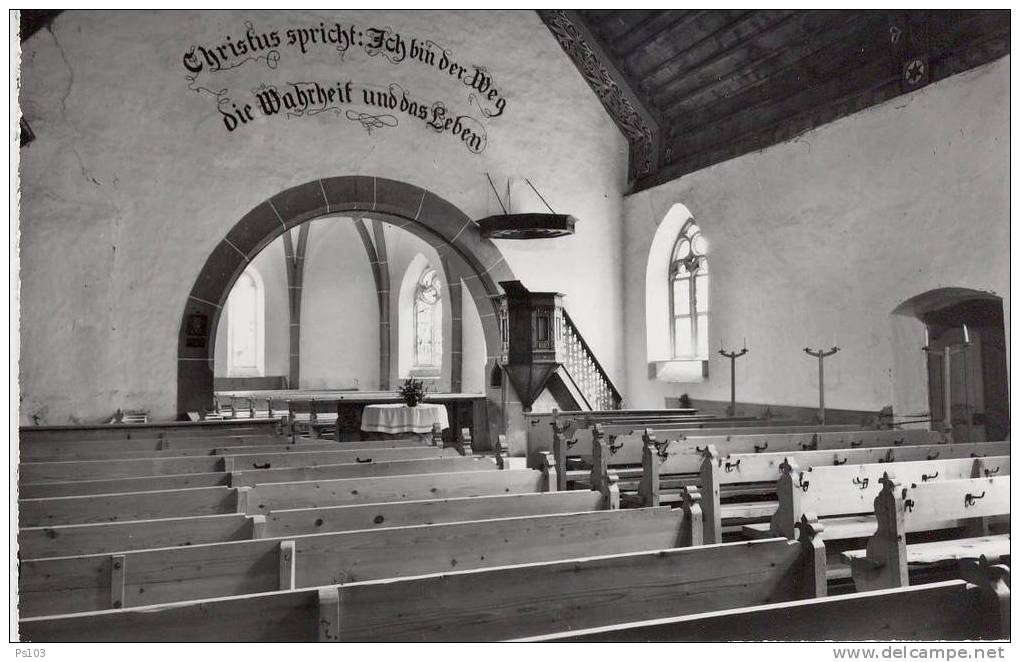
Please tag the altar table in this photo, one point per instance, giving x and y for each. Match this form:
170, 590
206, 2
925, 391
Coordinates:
399, 418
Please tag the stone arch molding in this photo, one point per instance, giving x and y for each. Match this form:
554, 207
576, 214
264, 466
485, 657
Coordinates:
446, 228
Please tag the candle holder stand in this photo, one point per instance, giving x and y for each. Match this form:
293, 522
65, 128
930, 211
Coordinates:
820, 355
733, 356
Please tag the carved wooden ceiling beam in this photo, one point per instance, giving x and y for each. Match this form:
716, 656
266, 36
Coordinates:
636, 121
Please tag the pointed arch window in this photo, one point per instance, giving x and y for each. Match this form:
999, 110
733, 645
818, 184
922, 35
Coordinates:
428, 321
688, 294
246, 326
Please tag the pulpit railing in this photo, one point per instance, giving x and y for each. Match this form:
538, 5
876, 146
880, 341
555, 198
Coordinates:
584, 369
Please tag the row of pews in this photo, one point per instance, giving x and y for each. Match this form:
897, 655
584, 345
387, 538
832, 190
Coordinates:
249, 536
890, 505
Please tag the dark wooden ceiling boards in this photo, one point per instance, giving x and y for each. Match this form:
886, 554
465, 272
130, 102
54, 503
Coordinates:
715, 84
33, 20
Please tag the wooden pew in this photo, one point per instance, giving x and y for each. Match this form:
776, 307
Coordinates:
901, 509
483, 605
253, 445
636, 419
306, 445
101, 449
158, 576
126, 448
838, 495
123, 485
80, 539
52, 472
288, 496
76, 540
682, 454
128, 506
722, 472
579, 443
263, 498
255, 476
280, 523
149, 431
952, 610
326, 472
295, 459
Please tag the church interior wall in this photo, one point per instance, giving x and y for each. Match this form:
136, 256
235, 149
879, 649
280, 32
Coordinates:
828, 233
134, 178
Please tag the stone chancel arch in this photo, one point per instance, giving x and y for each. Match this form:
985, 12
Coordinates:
446, 228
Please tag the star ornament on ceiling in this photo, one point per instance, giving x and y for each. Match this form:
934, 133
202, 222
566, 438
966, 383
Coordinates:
915, 71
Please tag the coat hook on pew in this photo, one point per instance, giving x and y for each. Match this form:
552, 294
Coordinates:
969, 499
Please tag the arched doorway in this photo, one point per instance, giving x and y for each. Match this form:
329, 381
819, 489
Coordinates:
966, 363
452, 233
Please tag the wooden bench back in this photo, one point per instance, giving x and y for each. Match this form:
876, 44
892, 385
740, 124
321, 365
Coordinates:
158, 576
123, 485
253, 477
950, 610
682, 455
713, 430
482, 605
80, 539
264, 498
321, 445
362, 470
53, 472
256, 447
928, 503
269, 497
148, 431
332, 519
627, 448
803, 441
129, 506
295, 459
902, 508
718, 470
74, 540
755, 467
127, 447
851, 489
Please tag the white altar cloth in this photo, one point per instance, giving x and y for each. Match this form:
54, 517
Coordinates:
397, 419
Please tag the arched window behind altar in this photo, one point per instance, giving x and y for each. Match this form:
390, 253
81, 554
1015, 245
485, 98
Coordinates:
246, 326
428, 321
688, 294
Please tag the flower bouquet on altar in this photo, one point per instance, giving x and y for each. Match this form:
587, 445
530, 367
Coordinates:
412, 392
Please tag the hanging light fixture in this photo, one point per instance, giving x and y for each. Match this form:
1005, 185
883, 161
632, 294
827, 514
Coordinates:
530, 225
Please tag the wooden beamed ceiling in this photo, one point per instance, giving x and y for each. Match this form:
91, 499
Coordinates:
714, 84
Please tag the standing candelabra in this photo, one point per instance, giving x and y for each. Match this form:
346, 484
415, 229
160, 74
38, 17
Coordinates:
820, 355
946, 353
733, 356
